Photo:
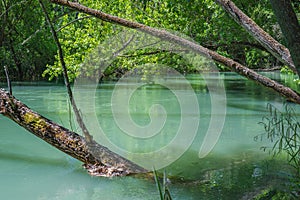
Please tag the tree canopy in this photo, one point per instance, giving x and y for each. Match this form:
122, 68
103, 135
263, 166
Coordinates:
29, 51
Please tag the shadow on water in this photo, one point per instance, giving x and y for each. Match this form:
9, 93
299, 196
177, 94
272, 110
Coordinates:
33, 159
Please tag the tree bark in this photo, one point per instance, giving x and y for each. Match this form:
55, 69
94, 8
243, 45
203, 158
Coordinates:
79, 119
274, 47
98, 159
287, 92
289, 26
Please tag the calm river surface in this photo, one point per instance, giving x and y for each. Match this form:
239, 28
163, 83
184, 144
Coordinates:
32, 169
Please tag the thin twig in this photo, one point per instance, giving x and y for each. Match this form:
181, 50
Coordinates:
31, 36
7, 9
151, 53
123, 47
71, 22
79, 119
43, 26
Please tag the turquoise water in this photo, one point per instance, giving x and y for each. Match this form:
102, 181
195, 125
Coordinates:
32, 169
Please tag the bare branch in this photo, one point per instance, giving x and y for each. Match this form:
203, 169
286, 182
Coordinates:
236, 43
150, 53
16, 4
116, 53
79, 119
53, 21
71, 22
31, 36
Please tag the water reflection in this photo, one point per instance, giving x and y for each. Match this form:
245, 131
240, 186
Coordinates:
31, 169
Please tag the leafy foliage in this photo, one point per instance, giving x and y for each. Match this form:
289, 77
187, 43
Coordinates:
27, 48
25, 44
77, 40
202, 20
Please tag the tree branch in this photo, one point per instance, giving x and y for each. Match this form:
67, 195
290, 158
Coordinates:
104, 162
100, 161
290, 27
71, 22
43, 26
273, 46
66, 78
268, 69
237, 43
235, 66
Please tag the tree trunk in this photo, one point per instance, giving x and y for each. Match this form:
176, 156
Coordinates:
97, 159
273, 46
289, 26
164, 35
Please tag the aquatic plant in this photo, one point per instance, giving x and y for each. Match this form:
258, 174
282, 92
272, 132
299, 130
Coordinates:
282, 128
163, 190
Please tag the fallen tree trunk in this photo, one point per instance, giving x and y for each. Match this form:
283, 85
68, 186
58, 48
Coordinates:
290, 94
97, 159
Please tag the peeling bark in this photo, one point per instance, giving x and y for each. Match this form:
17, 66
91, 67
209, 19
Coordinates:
287, 92
98, 159
274, 47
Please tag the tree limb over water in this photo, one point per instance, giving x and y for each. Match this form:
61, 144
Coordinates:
274, 47
98, 159
290, 27
287, 92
